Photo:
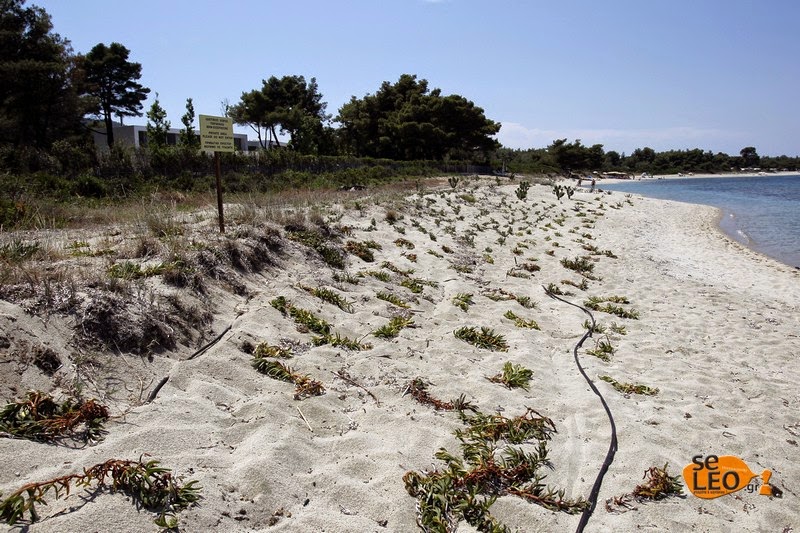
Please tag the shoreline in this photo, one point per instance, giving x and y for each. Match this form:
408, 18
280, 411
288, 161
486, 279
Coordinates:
716, 323
722, 212
695, 176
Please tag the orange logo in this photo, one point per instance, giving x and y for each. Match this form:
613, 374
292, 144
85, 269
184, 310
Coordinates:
713, 476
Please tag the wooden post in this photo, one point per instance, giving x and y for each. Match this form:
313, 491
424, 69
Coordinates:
219, 194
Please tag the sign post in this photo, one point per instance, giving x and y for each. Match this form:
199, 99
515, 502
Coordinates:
216, 135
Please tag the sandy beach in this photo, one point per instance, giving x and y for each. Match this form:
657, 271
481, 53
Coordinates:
716, 334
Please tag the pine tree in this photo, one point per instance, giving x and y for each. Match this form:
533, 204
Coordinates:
157, 126
188, 137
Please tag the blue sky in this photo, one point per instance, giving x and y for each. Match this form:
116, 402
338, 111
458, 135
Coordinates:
712, 74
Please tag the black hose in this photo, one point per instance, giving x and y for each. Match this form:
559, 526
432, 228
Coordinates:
210, 344
612, 447
154, 392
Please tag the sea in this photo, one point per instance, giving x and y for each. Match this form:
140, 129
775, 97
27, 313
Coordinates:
761, 212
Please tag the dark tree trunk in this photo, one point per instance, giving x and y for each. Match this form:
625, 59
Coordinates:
109, 128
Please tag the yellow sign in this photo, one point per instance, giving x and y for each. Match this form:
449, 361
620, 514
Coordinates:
216, 133
711, 477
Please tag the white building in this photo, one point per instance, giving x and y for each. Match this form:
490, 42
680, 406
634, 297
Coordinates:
136, 136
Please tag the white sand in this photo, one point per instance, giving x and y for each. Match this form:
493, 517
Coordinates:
717, 335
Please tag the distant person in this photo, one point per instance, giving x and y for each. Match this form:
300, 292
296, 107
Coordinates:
593, 182
580, 180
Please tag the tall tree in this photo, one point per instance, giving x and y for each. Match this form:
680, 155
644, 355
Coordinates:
288, 103
157, 126
252, 110
112, 81
38, 102
188, 138
750, 157
641, 160
574, 156
612, 160
407, 121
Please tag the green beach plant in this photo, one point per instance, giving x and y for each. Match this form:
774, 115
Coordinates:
345, 277
392, 216
595, 303
630, 388
363, 250
148, 484
466, 487
302, 317
463, 301
467, 197
317, 242
516, 272
552, 288
380, 275
559, 191
530, 267
618, 329
521, 322
392, 298
416, 285
522, 190
393, 328
526, 302
583, 285
603, 349
659, 485
513, 376
17, 250
498, 295
597, 328
388, 265
339, 341
412, 285
594, 250
404, 243
418, 389
40, 417
329, 296
486, 338
305, 386
263, 350
581, 265
128, 270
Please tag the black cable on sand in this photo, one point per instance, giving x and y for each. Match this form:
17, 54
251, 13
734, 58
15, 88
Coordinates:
612, 447
163, 381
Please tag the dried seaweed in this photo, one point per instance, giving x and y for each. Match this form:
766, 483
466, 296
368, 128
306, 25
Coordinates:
659, 485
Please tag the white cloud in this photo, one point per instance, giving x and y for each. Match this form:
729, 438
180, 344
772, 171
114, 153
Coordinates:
515, 135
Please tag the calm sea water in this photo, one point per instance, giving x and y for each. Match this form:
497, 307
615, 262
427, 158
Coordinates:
762, 212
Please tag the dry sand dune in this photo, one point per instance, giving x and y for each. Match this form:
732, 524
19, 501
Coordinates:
716, 334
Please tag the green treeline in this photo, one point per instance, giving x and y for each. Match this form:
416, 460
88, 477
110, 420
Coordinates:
52, 100
562, 156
